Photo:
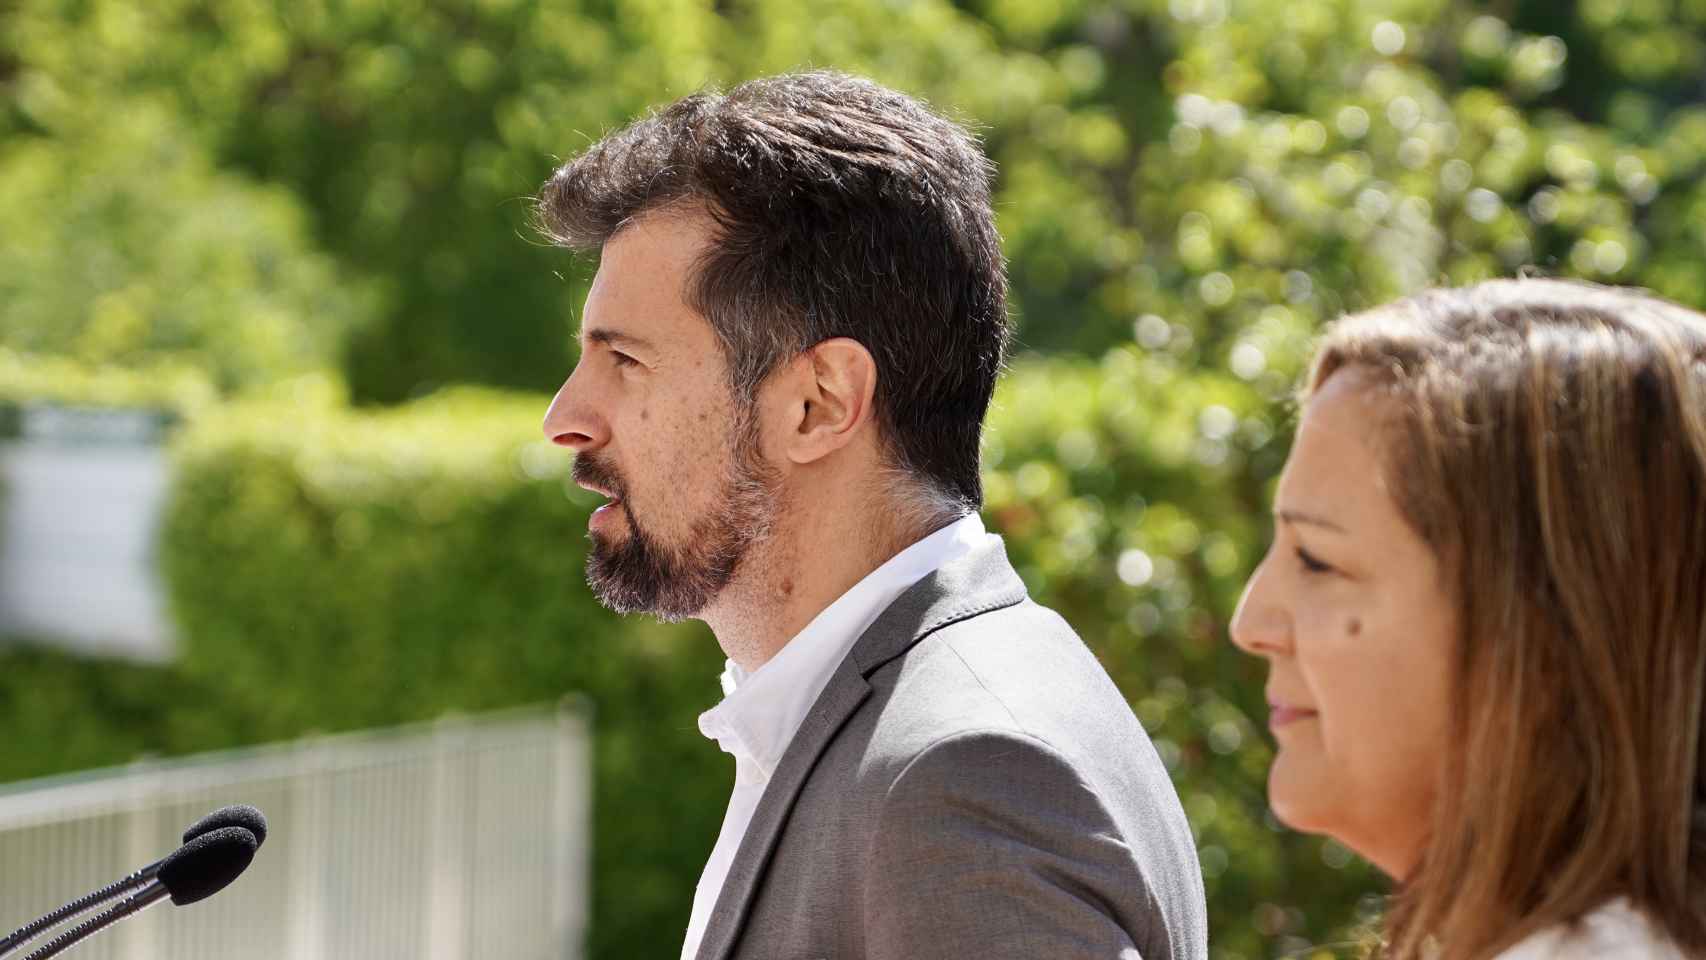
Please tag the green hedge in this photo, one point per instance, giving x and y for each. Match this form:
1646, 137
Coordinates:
62, 712
177, 389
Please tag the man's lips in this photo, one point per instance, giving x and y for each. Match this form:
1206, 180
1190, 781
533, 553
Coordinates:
592, 477
604, 518
606, 494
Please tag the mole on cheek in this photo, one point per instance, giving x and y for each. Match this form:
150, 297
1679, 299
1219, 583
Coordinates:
1353, 627
645, 414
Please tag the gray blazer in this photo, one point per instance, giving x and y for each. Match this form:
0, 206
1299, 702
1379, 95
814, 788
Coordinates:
970, 784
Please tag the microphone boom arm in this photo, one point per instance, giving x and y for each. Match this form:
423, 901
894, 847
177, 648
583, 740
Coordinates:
31, 930
149, 895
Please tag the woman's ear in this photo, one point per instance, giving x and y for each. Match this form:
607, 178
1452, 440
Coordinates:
834, 384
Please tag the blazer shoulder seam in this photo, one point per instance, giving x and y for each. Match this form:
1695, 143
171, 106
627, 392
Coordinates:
965, 613
1017, 726
948, 619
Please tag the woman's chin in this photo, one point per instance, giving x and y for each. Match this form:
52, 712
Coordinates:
1310, 805
1299, 801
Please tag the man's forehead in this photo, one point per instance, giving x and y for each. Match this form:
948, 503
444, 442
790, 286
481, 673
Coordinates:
677, 232
638, 295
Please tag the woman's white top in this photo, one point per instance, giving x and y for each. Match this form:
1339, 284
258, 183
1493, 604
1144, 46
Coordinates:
1614, 931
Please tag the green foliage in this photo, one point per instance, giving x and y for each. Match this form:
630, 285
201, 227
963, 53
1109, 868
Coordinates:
61, 712
1332, 155
31, 378
412, 131
1192, 159
333, 570
121, 246
209, 196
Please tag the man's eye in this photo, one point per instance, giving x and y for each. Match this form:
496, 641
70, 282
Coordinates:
622, 359
1309, 562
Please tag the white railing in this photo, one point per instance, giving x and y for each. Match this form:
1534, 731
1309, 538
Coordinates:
463, 839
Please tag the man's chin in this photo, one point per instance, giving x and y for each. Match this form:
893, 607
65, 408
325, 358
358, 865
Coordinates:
624, 580
604, 546
631, 572
619, 599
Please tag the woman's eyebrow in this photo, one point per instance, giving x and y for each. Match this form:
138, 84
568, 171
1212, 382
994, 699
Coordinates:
1299, 517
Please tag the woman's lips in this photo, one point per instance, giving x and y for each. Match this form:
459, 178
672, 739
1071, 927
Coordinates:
1280, 715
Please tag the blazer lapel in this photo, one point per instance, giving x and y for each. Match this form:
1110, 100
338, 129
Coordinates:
837, 702
981, 581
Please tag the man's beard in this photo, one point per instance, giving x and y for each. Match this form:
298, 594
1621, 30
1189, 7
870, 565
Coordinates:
643, 574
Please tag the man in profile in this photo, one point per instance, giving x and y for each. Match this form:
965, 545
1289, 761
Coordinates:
786, 358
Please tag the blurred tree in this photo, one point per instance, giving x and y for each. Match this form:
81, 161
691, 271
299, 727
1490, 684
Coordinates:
122, 246
414, 132
1193, 159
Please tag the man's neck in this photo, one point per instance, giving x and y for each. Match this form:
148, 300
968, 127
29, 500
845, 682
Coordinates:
814, 557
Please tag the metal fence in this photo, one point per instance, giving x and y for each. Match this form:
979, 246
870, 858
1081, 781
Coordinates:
465, 838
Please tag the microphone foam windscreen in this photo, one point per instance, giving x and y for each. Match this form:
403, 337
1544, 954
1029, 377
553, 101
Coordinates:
236, 815
201, 868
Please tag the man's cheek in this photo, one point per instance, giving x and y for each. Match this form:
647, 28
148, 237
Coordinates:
683, 468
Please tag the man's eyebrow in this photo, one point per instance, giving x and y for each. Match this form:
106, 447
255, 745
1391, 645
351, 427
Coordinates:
1308, 519
614, 338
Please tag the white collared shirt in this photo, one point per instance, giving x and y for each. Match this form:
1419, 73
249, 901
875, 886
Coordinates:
761, 710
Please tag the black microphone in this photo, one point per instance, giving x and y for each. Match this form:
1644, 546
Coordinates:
197, 870
235, 815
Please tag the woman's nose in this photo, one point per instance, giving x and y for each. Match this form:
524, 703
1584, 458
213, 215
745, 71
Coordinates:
1262, 624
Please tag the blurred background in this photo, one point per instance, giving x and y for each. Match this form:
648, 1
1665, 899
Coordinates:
275, 341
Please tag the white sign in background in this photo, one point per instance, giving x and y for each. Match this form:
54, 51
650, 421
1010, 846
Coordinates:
81, 494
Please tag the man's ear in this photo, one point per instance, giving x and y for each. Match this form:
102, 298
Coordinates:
834, 386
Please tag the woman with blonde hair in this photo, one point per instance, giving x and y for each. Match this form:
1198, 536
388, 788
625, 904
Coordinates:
1484, 613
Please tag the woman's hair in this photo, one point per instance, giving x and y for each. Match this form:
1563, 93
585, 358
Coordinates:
1548, 440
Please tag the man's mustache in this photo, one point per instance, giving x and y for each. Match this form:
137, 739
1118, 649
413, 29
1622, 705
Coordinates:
591, 472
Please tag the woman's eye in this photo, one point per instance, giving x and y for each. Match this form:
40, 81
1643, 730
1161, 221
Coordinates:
1309, 562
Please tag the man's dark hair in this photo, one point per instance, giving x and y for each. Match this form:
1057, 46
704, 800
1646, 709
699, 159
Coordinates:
841, 209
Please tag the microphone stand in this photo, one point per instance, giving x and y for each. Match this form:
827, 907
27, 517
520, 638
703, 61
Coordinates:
236, 815
149, 895
34, 928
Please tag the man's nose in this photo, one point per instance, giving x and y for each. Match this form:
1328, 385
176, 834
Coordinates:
572, 420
